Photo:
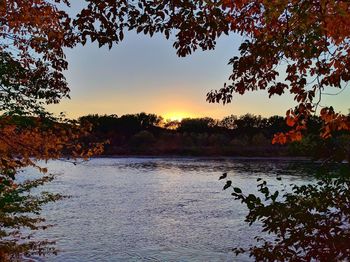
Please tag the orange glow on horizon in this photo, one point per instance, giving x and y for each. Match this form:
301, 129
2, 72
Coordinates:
177, 116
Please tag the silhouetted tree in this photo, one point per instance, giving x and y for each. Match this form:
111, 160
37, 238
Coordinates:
229, 122
196, 125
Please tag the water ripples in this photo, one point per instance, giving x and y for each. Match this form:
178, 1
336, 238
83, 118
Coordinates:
155, 209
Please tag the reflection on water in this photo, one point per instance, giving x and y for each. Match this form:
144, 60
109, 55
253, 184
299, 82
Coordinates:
156, 209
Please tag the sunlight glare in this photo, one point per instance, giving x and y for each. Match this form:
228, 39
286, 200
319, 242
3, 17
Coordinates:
176, 116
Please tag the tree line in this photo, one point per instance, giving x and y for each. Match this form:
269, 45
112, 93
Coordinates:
245, 135
307, 40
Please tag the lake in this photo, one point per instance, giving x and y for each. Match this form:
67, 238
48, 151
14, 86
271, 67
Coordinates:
157, 209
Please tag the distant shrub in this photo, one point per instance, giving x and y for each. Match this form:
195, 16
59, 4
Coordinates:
142, 139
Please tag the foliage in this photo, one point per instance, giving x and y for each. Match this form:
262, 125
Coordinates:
229, 122
245, 135
192, 136
33, 35
24, 141
305, 223
172, 124
308, 40
196, 125
16, 201
142, 139
126, 123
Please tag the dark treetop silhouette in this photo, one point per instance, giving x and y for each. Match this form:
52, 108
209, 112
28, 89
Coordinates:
308, 40
33, 35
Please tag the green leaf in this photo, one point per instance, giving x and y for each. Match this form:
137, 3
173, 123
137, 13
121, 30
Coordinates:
223, 176
237, 190
227, 185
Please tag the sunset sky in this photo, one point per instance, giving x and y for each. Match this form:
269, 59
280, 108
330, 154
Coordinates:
144, 74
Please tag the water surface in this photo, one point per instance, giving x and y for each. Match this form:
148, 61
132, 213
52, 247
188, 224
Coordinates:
156, 209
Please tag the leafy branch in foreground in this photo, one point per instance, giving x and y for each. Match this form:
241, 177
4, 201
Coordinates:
16, 202
298, 47
23, 141
305, 223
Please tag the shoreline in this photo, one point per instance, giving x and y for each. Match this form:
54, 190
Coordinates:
277, 158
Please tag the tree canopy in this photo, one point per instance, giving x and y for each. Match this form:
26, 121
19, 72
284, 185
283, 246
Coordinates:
33, 35
296, 46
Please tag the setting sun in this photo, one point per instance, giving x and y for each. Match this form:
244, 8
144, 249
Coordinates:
181, 130
176, 116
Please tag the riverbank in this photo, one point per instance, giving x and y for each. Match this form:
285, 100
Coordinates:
171, 157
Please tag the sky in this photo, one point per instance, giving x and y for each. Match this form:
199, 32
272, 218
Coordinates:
143, 74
